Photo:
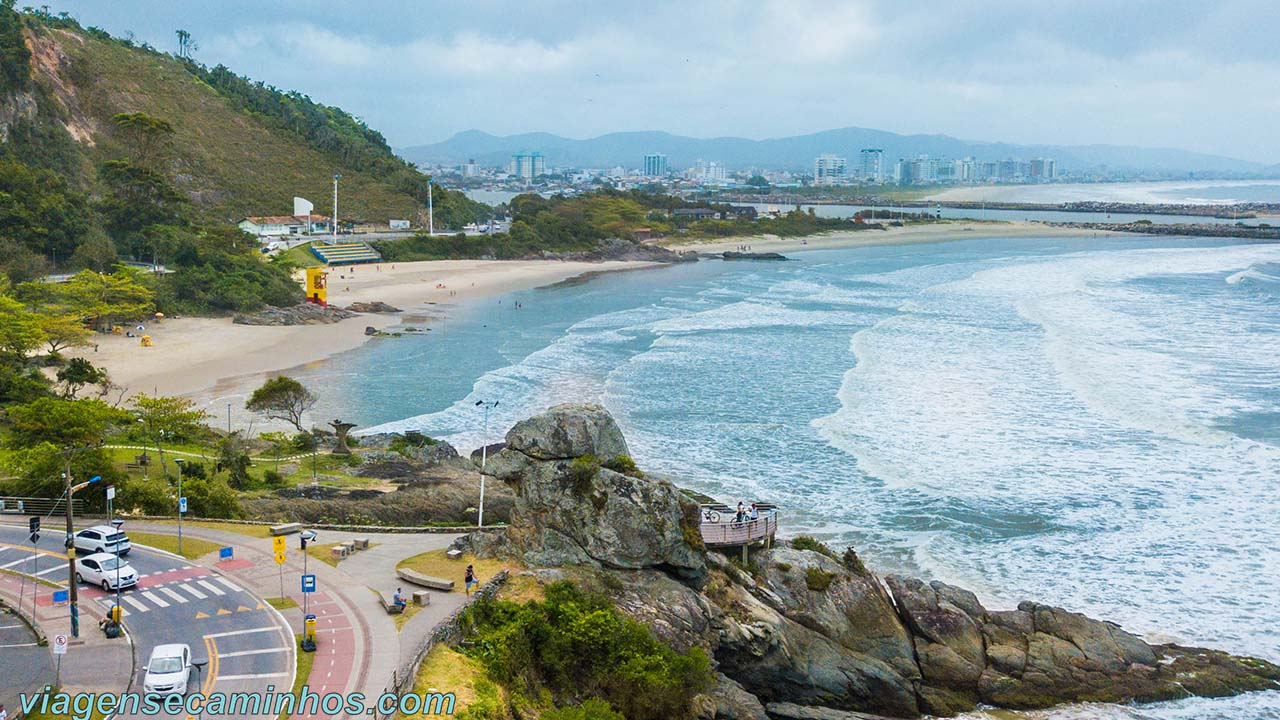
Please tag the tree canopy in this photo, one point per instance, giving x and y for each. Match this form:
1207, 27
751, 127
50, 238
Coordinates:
282, 398
64, 423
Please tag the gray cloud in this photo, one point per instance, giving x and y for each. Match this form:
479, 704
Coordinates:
1194, 75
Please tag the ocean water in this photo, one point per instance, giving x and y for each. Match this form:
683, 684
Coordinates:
1093, 423
1193, 192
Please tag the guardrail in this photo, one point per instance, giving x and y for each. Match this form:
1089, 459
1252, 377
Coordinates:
732, 534
13, 505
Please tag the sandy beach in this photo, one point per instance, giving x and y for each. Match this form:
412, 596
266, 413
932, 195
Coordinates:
192, 355
213, 359
906, 235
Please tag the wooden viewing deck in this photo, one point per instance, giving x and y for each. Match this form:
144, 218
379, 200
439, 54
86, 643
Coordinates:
721, 531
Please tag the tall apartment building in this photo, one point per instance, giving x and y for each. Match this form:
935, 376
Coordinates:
655, 165
872, 165
528, 165
829, 170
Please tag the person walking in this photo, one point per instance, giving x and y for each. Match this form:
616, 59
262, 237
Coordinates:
470, 578
755, 512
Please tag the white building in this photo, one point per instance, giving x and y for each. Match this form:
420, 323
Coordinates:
829, 170
528, 166
282, 225
873, 165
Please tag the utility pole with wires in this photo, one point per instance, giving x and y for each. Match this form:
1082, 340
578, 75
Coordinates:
73, 594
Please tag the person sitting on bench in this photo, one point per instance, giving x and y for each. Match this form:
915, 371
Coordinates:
398, 598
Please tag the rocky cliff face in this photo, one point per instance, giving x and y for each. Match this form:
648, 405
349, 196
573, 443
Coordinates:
802, 634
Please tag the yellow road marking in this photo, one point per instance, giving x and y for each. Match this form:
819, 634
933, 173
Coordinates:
223, 611
27, 548
201, 615
211, 647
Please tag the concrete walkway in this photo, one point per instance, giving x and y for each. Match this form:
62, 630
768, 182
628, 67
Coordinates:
359, 647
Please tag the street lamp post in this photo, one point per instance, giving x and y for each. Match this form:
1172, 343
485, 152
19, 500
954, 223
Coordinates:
179, 462
117, 524
73, 594
336, 178
484, 454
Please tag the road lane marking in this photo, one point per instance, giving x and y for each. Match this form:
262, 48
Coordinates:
19, 562
172, 594
232, 633
230, 585
139, 606
19, 645
254, 652
210, 587
198, 595
55, 568
154, 598
255, 676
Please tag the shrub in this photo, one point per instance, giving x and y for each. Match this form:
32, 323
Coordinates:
305, 441
784, 567
625, 465
273, 479
411, 439
573, 645
853, 563
194, 470
582, 471
805, 542
592, 709
817, 579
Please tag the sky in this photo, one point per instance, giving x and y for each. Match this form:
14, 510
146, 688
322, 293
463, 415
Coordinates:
1194, 75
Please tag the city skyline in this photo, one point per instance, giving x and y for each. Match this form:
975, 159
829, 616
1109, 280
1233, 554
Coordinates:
1080, 74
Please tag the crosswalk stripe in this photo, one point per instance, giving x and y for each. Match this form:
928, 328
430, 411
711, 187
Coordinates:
241, 653
172, 594
154, 598
17, 562
199, 595
210, 587
229, 585
55, 568
137, 605
231, 633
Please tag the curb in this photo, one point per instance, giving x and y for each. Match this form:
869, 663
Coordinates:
41, 639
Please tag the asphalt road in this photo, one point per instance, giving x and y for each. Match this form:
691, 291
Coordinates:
177, 602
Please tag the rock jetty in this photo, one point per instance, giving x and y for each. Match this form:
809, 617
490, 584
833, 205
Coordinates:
807, 633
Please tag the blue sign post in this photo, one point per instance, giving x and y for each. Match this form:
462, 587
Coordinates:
61, 596
225, 553
182, 505
308, 583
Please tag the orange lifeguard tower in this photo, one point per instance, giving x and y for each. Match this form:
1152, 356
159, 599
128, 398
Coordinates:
317, 286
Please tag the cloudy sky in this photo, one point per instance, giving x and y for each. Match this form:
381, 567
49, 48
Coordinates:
1195, 75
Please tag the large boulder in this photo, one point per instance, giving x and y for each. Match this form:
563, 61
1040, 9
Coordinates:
571, 510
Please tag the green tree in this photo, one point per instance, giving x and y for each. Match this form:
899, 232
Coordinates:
78, 373
64, 423
591, 709
148, 137
15, 58
63, 331
98, 299
20, 330
168, 419
282, 398
40, 212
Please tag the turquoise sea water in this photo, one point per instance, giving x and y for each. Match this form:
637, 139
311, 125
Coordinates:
1093, 423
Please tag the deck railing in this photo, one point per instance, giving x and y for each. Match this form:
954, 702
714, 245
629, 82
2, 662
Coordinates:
726, 532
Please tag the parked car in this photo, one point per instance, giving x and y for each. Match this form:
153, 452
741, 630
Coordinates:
168, 670
102, 538
105, 570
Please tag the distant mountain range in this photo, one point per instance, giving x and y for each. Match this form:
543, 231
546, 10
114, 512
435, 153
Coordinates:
797, 153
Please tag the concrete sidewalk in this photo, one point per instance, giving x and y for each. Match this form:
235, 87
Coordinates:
92, 662
359, 647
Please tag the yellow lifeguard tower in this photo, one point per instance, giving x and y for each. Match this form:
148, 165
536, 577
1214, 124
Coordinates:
317, 286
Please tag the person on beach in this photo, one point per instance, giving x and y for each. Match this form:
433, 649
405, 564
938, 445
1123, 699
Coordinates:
470, 578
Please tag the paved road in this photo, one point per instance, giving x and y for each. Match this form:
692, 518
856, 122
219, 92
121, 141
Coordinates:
177, 602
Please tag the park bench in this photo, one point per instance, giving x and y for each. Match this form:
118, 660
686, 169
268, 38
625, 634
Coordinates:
361, 543
338, 552
286, 528
453, 554
389, 603
427, 581
349, 546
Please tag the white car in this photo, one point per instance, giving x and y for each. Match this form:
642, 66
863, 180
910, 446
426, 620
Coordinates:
102, 538
106, 571
168, 670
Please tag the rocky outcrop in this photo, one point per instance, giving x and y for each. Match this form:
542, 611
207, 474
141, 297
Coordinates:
300, 314
570, 509
801, 633
377, 306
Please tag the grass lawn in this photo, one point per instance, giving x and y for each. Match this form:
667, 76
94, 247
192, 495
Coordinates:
304, 662
301, 256
68, 715
192, 548
521, 589
282, 603
323, 553
445, 670
258, 531
434, 563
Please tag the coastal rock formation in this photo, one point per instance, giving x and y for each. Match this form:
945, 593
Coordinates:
804, 633
300, 314
377, 306
571, 509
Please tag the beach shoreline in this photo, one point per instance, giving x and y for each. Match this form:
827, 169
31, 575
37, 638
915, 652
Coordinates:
213, 360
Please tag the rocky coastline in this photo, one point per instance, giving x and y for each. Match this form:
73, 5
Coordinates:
801, 631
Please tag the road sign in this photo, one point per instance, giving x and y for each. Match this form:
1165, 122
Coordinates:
61, 596
59, 644
279, 558
35, 538
111, 492
225, 553
308, 583
278, 543
182, 505
33, 524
